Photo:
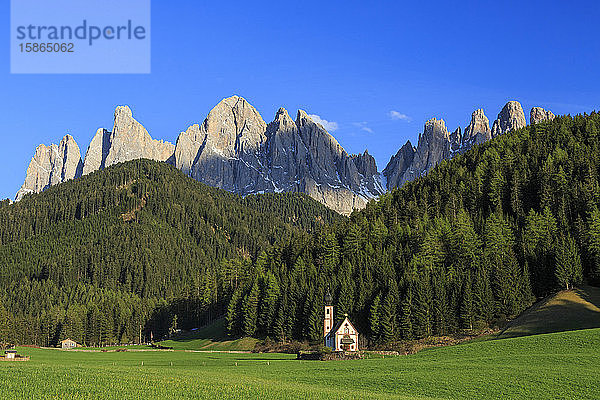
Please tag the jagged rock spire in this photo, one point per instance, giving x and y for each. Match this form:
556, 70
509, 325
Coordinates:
538, 114
510, 118
127, 141
52, 165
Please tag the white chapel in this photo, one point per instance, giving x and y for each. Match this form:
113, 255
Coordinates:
341, 336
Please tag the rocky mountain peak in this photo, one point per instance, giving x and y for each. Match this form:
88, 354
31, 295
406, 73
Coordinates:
229, 140
233, 125
122, 112
410, 163
538, 114
399, 163
283, 122
127, 141
69, 152
51, 165
478, 130
187, 146
365, 164
435, 129
97, 151
455, 140
282, 113
433, 146
324, 149
436, 145
314, 134
236, 150
510, 118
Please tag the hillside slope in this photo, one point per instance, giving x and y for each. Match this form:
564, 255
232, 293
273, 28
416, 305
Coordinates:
98, 257
209, 338
473, 243
565, 311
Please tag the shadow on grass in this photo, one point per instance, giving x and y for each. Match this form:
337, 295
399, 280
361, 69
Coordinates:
568, 310
214, 332
209, 338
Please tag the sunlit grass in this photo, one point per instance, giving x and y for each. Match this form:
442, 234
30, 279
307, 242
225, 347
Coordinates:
560, 365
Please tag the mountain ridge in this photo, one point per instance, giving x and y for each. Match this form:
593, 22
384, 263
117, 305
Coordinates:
236, 150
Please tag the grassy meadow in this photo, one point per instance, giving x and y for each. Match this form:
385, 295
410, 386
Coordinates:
549, 366
211, 337
567, 310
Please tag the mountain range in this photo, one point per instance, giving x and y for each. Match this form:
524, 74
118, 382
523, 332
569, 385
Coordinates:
236, 150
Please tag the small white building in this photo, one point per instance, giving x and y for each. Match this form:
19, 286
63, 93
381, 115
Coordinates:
10, 354
341, 336
68, 344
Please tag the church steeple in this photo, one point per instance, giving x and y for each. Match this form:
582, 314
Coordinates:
328, 299
328, 316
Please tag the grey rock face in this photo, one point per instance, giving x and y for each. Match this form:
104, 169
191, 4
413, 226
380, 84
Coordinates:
236, 150
286, 156
304, 157
371, 184
128, 140
478, 130
187, 146
328, 161
538, 114
510, 118
365, 164
97, 151
52, 165
455, 140
435, 144
399, 163
229, 158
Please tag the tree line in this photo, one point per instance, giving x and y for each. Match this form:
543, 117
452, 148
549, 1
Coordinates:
128, 253
471, 244
99, 257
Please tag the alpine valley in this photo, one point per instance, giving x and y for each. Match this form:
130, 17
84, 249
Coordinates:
133, 243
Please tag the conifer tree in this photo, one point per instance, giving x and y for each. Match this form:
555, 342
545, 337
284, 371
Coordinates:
569, 271
250, 310
593, 243
406, 325
387, 319
268, 303
466, 307
374, 317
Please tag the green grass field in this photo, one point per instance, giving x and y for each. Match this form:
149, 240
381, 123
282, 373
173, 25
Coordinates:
551, 366
565, 311
212, 337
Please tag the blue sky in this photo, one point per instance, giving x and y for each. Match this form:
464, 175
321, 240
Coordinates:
350, 62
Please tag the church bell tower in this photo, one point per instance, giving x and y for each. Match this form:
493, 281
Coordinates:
328, 317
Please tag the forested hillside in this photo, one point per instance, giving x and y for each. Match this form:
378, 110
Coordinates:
138, 249
105, 258
473, 242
